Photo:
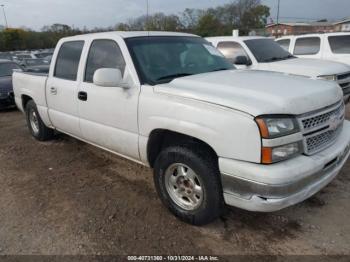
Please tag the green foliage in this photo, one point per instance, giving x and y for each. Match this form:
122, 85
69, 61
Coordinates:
244, 15
209, 25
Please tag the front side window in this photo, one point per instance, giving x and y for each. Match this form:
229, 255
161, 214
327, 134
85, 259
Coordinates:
68, 59
307, 46
161, 59
284, 44
267, 50
6, 69
231, 50
103, 54
340, 44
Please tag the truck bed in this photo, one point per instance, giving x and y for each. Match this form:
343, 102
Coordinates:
32, 85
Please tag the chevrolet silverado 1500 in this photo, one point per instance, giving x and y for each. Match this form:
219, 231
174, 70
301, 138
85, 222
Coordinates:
257, 140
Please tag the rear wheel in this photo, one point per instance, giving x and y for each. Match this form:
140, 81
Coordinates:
36, 126
188, 183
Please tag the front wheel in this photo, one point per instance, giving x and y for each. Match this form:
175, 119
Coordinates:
188, 183
36, 126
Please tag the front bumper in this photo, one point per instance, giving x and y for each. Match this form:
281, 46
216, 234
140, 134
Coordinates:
268, 188
7, 100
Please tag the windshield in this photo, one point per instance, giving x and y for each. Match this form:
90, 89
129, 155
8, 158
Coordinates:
162, 59
267, 50
6, 69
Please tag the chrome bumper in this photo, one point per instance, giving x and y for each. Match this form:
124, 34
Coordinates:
242, 191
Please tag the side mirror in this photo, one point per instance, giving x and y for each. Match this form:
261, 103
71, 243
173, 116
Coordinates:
242, 60
109, 77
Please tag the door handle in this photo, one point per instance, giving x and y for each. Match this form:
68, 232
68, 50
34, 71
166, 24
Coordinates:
82, 96
53, 90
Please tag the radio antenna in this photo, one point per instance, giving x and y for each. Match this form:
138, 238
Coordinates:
147, 17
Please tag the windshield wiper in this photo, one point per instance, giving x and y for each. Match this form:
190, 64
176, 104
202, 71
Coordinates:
290, 56
273, 59
221, 69
173, 76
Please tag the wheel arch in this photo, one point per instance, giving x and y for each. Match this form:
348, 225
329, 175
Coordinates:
162, 138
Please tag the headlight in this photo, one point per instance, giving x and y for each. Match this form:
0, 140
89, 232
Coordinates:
280, 153
329, 77
273, 127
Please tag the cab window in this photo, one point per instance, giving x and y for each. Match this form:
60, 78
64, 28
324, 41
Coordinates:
285, 43
231, 50
307, 46
68, 59
340, 44
103, 54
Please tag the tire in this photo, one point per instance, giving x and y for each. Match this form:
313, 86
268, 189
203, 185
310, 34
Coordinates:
36, 126
200, 164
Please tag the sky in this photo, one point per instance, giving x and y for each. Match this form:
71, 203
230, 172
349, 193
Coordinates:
103, 13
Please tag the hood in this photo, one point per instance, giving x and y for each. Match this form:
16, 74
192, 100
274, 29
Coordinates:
341, 58
5, 85
256, 92
307, 67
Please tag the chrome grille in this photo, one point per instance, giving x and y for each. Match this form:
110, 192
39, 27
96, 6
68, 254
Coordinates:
318, 142
320, 129
320, 120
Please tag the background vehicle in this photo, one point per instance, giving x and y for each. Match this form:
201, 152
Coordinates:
43, 54
6, 89
212, 134
5, 56
329, 46
36, 65
20, 57
260, 53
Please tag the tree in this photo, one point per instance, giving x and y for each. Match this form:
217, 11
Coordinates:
208, 25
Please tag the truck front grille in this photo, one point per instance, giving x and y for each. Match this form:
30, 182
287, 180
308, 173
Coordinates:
320, 141
320, 129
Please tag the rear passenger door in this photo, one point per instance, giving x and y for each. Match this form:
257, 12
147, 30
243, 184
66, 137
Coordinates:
308, 47
108, 115
62, 87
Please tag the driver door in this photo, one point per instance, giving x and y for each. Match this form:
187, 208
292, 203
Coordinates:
108, 115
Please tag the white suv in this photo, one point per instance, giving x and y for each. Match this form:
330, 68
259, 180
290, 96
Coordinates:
331, 46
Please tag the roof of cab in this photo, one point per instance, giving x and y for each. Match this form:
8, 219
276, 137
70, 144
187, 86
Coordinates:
240, 38
315, 35
124, 34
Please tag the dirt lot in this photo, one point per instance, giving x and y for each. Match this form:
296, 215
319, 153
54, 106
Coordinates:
66, 197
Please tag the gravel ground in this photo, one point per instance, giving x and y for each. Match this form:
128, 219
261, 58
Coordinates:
66, 198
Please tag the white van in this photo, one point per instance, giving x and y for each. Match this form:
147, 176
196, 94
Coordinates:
330, 46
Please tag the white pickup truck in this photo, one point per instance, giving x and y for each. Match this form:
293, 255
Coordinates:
261, 53
261, 141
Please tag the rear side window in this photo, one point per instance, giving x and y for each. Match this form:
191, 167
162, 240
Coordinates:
103, 54
307, 46
231, 50
340, 44
284, 44
68, 60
